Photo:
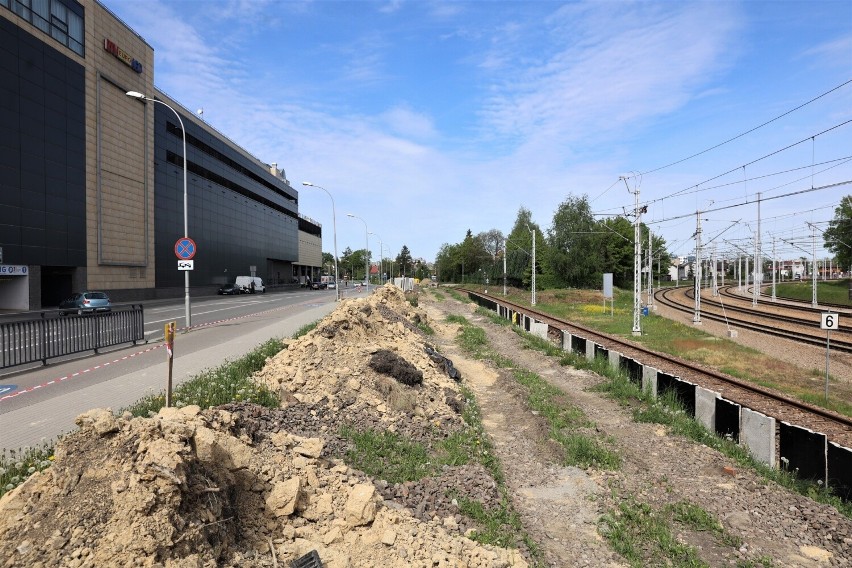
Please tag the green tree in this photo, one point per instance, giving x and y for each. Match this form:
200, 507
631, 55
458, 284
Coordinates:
404, 261
574, 256
519, 250
448, 262
328, 263
838, 236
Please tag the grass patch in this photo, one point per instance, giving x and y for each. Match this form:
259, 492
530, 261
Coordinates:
17, 465
230, 382
425, 328
387, 455
644, 537
833, 292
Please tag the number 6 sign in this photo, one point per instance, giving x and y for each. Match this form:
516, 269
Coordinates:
830, 321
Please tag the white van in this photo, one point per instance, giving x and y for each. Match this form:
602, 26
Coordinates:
245, 282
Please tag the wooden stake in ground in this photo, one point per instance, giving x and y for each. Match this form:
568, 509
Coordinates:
170, 342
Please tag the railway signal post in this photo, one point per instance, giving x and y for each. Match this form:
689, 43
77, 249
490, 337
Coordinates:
829, 321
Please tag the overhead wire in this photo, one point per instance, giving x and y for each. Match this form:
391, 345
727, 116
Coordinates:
780, 116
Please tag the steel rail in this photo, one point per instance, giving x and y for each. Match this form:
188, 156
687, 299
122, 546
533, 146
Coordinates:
562, 324
838, 344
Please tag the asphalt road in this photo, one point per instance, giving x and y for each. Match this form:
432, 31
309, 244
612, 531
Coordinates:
39, 403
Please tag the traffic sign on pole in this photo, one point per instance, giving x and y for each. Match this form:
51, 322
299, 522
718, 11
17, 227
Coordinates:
185, 248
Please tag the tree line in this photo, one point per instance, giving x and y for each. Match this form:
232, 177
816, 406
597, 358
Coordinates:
574, 252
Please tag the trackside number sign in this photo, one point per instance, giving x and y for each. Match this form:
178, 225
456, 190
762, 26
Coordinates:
830, 321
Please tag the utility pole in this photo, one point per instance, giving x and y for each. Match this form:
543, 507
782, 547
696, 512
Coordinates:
758, 264
715, 271
696, 318
505, 253
637, 261
813, 266
532, 232
650, 274
773, 268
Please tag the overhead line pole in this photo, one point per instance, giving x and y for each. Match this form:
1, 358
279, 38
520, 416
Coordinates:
637, 275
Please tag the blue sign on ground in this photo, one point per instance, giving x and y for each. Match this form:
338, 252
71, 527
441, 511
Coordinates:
7, 388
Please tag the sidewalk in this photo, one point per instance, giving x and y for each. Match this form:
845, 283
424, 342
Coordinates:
43, 422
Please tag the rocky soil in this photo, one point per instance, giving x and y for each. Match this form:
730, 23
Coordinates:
560, 506
242, 485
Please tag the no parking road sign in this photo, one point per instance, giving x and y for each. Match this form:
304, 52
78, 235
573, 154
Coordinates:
185, 248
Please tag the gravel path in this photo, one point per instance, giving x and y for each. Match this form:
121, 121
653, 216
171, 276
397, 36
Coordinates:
560, 506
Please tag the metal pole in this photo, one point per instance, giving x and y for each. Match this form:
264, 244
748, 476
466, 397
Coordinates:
533, 267
758, 265
773, 269
637, 282
827, 347
366, 251
334, 225
505, 251
696, 317
813, 268
137, 95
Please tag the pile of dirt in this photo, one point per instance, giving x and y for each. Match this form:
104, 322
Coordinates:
247, 486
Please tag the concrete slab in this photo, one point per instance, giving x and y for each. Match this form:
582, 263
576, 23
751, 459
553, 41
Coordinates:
614, 360
757, 433
728, 419
840, 470
566, 340
705, 407
539, 329
649, 380
802, 451
590, 350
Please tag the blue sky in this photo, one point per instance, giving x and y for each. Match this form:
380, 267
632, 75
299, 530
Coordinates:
429, 118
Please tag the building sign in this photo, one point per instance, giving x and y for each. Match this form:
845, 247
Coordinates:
13, 270
122, 55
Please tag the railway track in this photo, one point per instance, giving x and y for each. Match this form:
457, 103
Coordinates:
784, 322
836, 427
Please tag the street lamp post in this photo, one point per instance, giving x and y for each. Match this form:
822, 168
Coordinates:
138, 95
366, 251
334, 226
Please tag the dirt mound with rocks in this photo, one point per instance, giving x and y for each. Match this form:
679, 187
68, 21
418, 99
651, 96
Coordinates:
243, 485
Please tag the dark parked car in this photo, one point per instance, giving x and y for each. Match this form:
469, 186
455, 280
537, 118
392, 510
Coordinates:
231, 289
85, 303
318, 285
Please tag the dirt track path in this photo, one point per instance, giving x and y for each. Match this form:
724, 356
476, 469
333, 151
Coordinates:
560, 506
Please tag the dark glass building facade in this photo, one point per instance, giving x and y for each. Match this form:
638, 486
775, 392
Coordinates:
239, 213
42, 160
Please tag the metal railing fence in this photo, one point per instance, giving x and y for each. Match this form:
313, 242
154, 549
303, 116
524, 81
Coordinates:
39, 336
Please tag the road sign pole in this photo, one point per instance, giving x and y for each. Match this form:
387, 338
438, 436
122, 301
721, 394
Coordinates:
827, 348
170, 342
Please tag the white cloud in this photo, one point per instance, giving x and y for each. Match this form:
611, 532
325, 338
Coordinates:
609, 66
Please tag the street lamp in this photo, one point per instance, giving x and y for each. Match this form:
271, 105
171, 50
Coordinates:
381, 257
138, 95
366, 251
334, 226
